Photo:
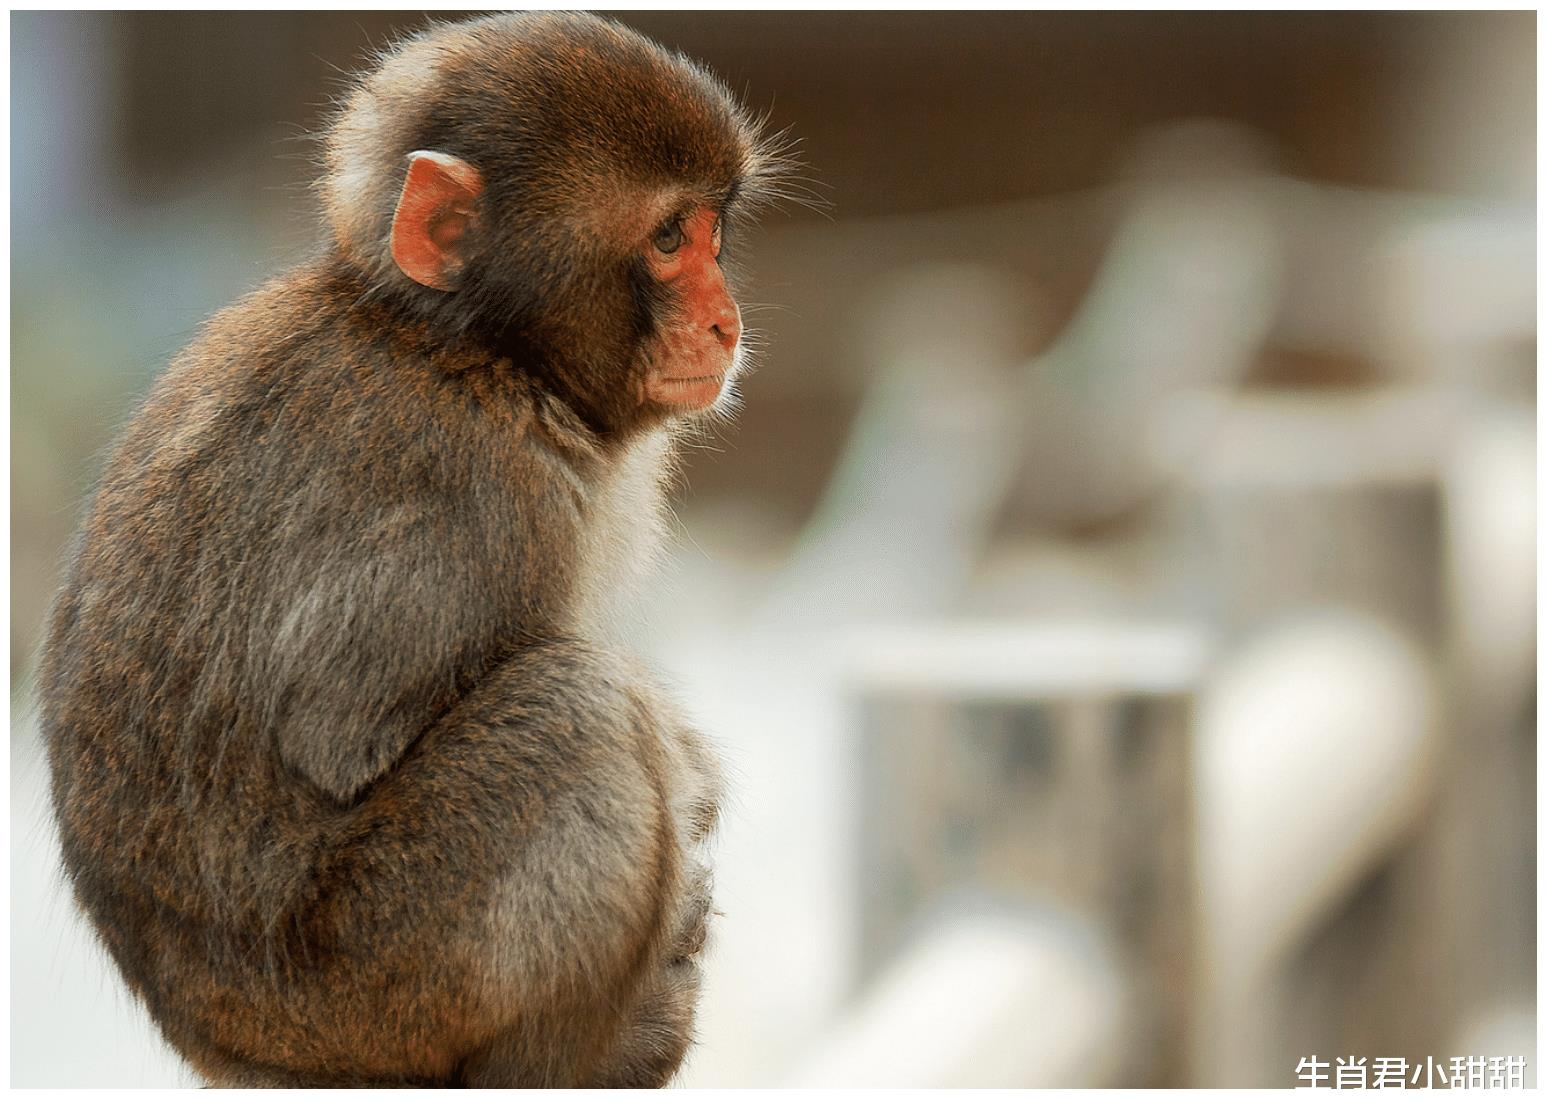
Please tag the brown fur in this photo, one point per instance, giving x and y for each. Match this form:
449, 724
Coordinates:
344, 775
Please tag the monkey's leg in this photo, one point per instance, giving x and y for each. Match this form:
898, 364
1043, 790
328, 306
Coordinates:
520, 874
493, 909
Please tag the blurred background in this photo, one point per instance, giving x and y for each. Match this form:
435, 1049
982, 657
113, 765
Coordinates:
1116, 601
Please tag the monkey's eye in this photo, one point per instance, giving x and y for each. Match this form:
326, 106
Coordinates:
714, 238
668, 238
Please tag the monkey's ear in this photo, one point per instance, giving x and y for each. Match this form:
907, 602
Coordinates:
436, 214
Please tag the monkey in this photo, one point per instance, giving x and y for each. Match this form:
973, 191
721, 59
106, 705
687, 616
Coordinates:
348, 775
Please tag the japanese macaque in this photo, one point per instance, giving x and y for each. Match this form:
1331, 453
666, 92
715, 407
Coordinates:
345, 774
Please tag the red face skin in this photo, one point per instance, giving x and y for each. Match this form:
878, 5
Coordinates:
695, 353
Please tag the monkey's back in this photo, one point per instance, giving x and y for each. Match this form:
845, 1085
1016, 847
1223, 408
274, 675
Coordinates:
304, 550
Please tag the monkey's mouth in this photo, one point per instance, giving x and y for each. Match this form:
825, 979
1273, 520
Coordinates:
688, 393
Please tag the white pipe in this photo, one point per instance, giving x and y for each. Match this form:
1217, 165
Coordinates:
991, 1000
1313, 755
1490, 530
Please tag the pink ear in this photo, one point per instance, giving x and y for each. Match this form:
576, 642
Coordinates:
437, 208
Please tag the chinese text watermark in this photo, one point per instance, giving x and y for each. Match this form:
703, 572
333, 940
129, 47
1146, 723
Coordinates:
1396, 1072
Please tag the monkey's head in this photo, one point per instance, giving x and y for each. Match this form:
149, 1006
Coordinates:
563, 188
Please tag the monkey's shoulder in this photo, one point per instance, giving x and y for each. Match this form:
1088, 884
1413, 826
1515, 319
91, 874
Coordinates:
292, 446
303, 375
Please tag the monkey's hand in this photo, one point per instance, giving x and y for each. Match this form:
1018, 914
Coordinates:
660, 1029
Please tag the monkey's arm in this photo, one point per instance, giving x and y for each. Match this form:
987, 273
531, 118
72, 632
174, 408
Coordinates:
386, 580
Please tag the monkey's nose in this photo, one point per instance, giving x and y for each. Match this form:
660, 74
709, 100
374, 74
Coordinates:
727, 328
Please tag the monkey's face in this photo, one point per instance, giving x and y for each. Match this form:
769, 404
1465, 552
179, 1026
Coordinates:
692, 352
556, 185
